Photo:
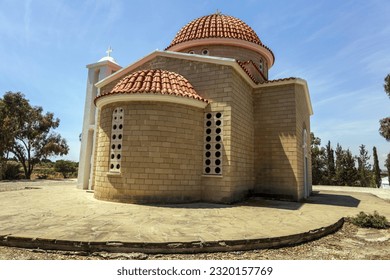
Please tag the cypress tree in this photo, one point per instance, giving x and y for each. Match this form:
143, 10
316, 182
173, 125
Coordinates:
330, 165
339, 167
364, 168
349, 173
387, 164
317, 161
376, 170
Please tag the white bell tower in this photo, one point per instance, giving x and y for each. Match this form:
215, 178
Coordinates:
96, 72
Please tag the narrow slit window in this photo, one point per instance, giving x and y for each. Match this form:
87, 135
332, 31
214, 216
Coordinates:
116, 140
213, 124
261, 65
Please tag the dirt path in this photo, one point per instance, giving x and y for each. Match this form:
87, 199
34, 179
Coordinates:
349, 243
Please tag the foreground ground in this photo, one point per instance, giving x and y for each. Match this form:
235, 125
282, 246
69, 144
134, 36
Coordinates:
349, 243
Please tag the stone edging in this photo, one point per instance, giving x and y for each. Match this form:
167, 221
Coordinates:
170, 247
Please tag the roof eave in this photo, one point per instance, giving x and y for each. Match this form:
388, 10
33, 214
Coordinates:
192, 57
259, 48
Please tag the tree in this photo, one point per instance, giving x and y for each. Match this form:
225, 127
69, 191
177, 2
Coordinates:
317, 160
384, 128
387, 85
364, 167
348, 172
5, 138
330, 164
376, 170
339, 168
65, 167
387, 164
29, 132
384, 124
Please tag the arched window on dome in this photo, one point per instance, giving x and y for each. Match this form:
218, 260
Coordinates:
261, 65
116, 140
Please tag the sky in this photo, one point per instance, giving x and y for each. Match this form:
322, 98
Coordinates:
341, 48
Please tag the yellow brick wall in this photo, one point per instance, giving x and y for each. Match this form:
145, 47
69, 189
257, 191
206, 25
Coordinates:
227, 92
275, 141
281, 114
262, 131
303, 122
242, 135
161, 154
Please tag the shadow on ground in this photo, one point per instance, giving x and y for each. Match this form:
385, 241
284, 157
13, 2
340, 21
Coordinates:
333, 200
315, 198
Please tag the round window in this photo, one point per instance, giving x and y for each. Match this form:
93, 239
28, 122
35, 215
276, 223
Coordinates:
205, 52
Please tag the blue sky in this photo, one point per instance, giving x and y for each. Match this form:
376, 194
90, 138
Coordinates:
342, 49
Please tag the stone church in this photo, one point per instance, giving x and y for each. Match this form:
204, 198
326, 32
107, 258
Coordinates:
199, 121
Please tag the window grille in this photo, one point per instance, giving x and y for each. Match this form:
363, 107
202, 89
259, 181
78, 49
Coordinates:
213, 124
116, 140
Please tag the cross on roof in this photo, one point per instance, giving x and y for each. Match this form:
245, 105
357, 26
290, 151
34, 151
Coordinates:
109, 51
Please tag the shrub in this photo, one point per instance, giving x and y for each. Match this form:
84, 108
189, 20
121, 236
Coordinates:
65, 167
44, 173
10, 171
370, 220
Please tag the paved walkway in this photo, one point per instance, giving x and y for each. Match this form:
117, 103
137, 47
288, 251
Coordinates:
60, 211
382, 193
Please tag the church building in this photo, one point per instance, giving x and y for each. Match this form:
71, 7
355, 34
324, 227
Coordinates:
197, 122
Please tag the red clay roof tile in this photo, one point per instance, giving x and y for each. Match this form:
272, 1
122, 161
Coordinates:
155, 81
216, 26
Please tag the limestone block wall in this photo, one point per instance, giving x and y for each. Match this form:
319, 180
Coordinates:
303, 122
242, 138
161, 154
231, 95
215, 83
276, 151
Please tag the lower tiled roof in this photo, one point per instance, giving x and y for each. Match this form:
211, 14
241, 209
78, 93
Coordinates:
155, 81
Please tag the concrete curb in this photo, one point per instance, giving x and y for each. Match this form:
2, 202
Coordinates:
170, 247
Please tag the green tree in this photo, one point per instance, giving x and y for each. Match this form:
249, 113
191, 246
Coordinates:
384, 124
29, 132
384, 128
317, 160
5, 139
349, 172
364, 167
376, 170
65, 167
346, 173
387, 164
338, 164
387, 85
330, 164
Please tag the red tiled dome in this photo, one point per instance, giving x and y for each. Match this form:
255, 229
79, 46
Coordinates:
216, 26
155, 81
